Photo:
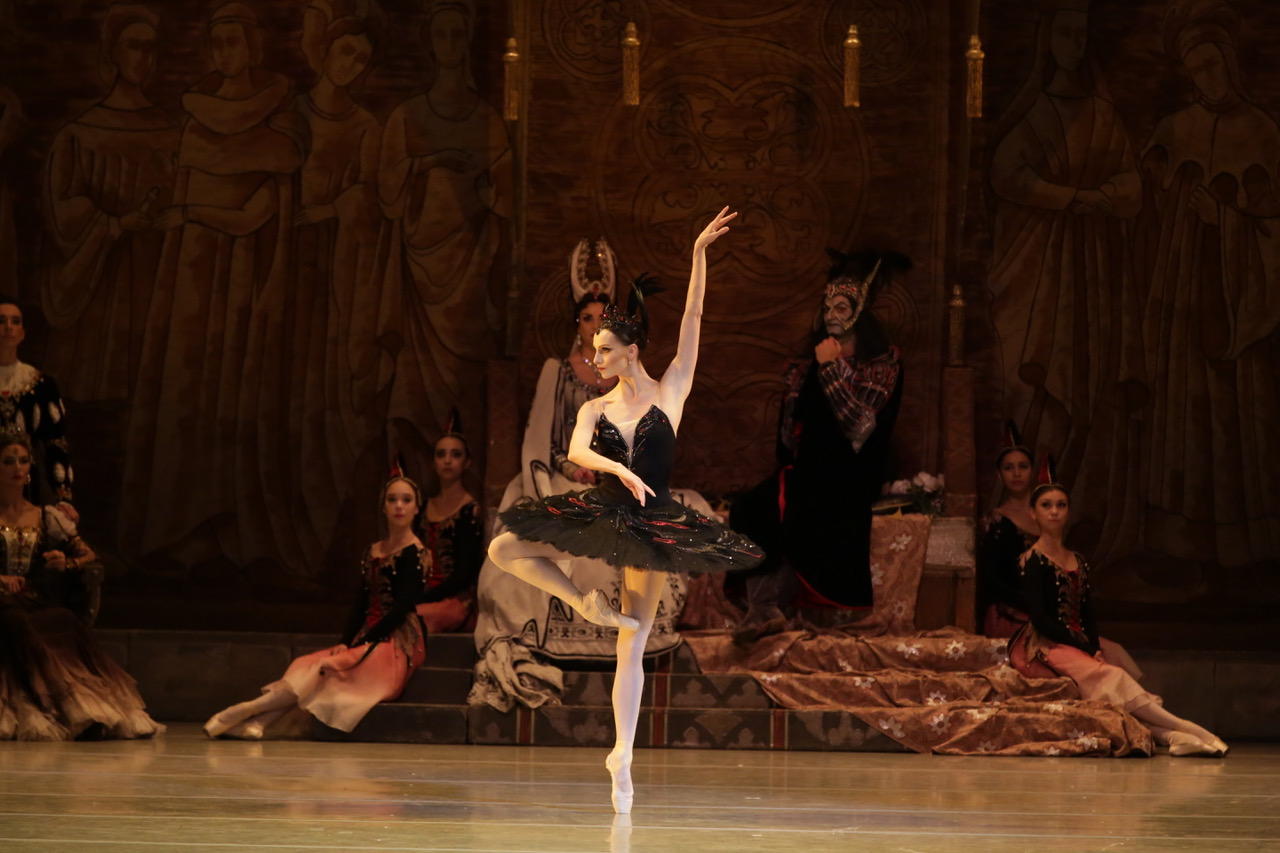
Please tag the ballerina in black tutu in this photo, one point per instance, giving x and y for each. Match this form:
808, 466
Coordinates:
630, 519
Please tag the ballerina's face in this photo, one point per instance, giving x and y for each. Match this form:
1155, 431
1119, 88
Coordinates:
1051, 510
613, 357
589, 323
15, 464
399, 504
1015, 472
451, 459
12, 330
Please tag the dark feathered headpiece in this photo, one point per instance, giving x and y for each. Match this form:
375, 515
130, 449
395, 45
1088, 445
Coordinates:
631, 324
1013, 441
860, 276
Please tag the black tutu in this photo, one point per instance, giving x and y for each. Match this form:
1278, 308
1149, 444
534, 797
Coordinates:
607, 523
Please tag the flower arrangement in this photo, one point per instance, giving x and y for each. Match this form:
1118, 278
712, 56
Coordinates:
922, 493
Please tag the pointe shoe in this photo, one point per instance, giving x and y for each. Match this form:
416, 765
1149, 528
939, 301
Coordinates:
618, 770
595, 609
1220, 745
248, 730
1182, 745
217, 726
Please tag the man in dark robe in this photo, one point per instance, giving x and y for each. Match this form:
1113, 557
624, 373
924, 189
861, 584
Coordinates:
813, 515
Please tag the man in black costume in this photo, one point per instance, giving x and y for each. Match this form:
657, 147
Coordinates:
813, 515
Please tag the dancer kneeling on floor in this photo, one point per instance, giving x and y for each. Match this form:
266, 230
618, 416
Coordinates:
629, 519
1061, 638
384, 643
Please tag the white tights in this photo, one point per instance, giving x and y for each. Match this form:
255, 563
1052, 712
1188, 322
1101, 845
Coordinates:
641, 592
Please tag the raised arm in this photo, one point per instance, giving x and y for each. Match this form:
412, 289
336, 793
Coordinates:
678, 380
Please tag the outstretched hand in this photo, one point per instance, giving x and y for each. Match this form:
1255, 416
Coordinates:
715, 229
634, 485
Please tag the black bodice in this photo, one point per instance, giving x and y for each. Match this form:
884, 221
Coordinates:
650, 456
608, 523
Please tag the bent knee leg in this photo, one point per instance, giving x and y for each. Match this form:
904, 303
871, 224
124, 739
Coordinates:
504, 548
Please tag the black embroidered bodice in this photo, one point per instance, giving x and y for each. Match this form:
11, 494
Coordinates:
1059, 601
650, 456
1000, 546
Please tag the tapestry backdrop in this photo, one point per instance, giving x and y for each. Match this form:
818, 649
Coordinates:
266, 246
1129, 227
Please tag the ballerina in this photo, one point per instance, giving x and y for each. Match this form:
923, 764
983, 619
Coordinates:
629, 519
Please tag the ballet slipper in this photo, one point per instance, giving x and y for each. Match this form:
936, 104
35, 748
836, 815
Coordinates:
250, 729
222, 722
1220, 745
595, 609
1182, 745
621, 793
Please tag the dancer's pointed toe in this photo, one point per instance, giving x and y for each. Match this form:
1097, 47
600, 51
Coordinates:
597, 610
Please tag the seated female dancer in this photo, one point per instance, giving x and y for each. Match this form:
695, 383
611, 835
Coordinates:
1007, 533
55, 684
451, 532
629, 520
385, 640
1061, 636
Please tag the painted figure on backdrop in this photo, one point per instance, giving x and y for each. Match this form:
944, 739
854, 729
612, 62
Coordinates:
452, 532
383, 644
211, 404
813, 515
109, 173
513, 613
1064, 299
1006, 533
337, 362
445, 183
31, 405
1212, 313
11, 124
1060, 637
629, 519
55, 683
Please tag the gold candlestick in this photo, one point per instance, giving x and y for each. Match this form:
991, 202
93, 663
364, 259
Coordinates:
973, 95
631, 66
852, 68
510, 85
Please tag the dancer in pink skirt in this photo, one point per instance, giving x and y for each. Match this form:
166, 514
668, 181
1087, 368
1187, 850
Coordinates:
384, 643
1061, 637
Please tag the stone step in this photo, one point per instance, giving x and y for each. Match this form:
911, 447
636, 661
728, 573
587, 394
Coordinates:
592, 725
450, 686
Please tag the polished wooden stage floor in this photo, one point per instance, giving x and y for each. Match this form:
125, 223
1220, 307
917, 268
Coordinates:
185, 793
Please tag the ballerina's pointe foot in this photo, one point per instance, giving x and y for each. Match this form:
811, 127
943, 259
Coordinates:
619, 766
595, 608
223, 721
1182, 744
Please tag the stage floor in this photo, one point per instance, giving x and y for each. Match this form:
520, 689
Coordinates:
185, 793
